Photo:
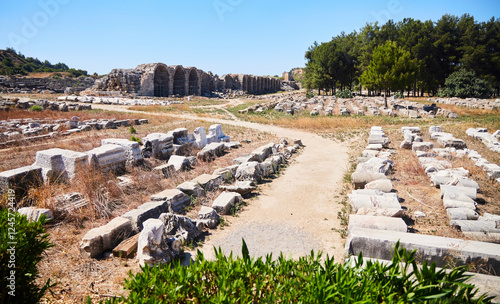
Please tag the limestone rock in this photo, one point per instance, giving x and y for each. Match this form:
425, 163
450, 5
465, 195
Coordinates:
209, 217
250, 171
241, 187
384, 185
181, 227
154, 247
179, 162
377, 222
192, 189
225, 201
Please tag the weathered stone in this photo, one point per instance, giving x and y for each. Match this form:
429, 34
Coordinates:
175, 198
209, 182
434, 129
34, 214
241, 187
243, 159
105, 238
181, 227
158, 145
462, 214
20, 180
360, 179
470, 192
373, 211
192, 189
261, 153
376, 222
388, 200
225, 201
179, 162
384, 185
108, 157
452, 142
167, 170
209, 217
132, 149
227, 173
200, 136
433, 249
215, 134
406, 144
415, 130
144, 212
154, 246
250, 171
475, 226
418, 214
59, 164
422, 146
211, 151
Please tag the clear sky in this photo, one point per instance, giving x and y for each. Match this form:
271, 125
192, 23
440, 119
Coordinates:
223, 36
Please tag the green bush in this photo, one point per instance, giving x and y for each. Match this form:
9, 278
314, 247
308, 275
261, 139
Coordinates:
344, 94
465, 84
132, 130
29, 243
399, 95
310, 279
136, 139
36, 108
309, 95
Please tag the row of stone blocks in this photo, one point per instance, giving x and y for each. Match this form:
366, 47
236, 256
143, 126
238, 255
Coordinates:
458, 191
376, 228
174, 201
114, 154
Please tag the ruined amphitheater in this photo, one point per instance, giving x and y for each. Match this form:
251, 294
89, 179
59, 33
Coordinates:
161, 80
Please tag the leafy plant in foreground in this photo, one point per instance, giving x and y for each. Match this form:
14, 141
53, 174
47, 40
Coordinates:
310, 279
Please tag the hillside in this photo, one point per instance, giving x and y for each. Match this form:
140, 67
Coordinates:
12, 63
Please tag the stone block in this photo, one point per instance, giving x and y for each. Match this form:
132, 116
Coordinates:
377, 222
59, 164
373, 211
200, 136
209, 182
225, 201
108, 157
243, 188
215, 134
453, 190
261, 153
144, 212
20, 180
211, 151
158, 145
132, 149
176, 199
434, 249
105, 238
209, 217
34, 214
388, 200
167, 170
192, 189
462, 214
250, 171
384, 185
422, 146
451, 142
179, 162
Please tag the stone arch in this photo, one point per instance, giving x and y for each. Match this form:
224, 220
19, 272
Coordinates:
161, 81
193, 82
179, 81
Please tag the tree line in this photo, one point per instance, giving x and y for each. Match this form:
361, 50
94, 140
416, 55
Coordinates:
411, 56
13, 63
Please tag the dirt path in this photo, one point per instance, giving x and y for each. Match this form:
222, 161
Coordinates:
296, 212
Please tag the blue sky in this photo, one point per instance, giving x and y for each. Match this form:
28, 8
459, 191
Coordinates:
223, 36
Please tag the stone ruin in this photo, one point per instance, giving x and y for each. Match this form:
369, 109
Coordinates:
160, 80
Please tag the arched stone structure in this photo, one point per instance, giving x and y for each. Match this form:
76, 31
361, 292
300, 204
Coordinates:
179, 81
194, 82
161, 81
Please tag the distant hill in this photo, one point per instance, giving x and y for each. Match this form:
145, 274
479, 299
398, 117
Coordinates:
12, 63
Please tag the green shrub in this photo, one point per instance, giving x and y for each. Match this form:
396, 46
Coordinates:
136, 139
30, 242
399, 95
465, 84
36, 108
310, 279
309, 95
344, 94
132, 130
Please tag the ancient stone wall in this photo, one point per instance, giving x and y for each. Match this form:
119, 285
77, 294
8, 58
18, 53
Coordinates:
160, 80
13, 84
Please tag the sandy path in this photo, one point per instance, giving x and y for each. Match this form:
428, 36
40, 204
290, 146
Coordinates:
296, 212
